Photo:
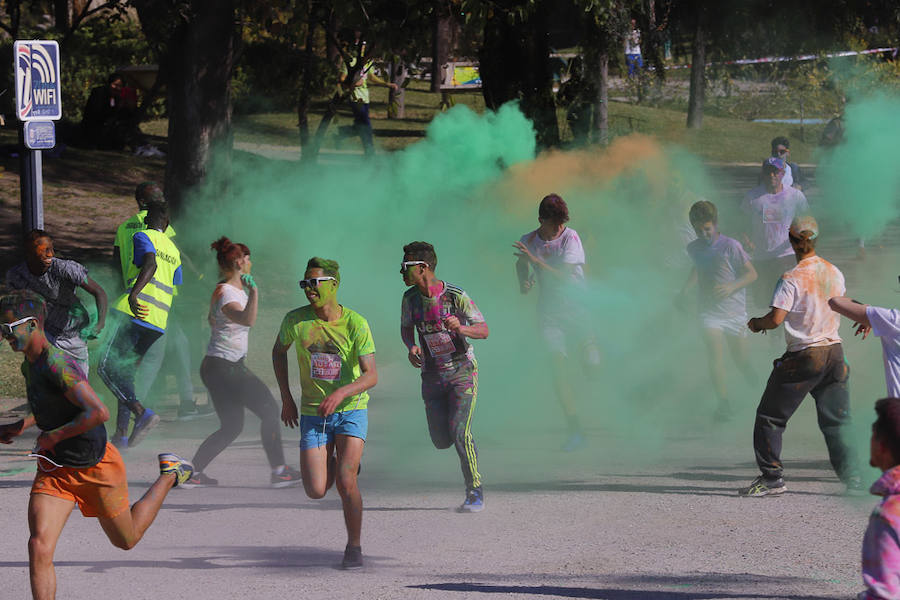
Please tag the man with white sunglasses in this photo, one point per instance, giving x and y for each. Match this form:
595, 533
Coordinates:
336, 355
444, 316
75, 463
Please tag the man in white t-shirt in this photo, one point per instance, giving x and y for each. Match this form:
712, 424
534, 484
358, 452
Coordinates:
884, 323
813, 364
771, 207
553, 255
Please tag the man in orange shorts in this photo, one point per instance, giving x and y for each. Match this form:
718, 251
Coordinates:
76, 465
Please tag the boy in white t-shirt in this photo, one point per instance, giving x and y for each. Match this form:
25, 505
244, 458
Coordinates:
722, 271
553, 255
884, 323
813, 364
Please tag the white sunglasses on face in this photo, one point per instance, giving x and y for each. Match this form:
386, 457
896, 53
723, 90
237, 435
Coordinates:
6, 329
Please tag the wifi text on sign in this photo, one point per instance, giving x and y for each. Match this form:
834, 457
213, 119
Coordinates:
38, 96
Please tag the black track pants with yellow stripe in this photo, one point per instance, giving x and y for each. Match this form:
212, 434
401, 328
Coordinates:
449, 404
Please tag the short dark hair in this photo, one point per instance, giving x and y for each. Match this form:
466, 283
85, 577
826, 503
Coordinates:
421, 251
553, 208
703, 211
24, 303
780, 141
148, 191
34, 235
328, 266
887, 425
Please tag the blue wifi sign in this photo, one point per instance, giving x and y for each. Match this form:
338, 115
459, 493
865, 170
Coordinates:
38, 95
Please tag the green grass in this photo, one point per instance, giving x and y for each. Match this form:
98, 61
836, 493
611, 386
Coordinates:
721, 139
12, 384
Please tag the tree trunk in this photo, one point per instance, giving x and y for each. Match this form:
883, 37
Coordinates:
601, 107
200, 61
698, 75
440, 45
305, 97
62, 15
538, 101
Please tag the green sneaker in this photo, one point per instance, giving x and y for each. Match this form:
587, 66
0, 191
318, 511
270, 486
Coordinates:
763, 487
172, 463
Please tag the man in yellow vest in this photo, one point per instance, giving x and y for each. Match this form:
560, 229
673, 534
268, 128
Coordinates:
142, 314
175, 340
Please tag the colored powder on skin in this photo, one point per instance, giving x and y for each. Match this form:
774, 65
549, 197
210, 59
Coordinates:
472, 188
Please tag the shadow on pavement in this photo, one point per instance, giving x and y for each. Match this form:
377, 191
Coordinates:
599, 593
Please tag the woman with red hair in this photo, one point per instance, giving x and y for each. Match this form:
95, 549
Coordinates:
232, 386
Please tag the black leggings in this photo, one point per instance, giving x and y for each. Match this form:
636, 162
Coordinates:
233, 387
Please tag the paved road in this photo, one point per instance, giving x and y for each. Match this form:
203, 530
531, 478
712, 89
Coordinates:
648, 510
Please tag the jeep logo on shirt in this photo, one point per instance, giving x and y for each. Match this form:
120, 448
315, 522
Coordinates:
430, 327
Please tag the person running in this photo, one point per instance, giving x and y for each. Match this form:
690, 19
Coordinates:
770, 209
444, 316
881, 543
813, 364
554, 254
75, 463
885, 324
142, 315
174, 341
55, 280
232, 386
723, 271
336, 355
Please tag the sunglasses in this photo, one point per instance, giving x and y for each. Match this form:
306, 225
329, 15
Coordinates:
405, 265
6, 329
313, 282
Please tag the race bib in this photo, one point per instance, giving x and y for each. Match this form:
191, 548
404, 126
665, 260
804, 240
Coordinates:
325, 367
440, 344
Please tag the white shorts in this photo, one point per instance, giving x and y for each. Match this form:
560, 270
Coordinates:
736, 326
567, 341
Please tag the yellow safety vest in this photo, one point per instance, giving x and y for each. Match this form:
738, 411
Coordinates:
157, 294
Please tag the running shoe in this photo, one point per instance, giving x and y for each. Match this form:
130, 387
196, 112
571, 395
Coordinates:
352, 557
576, 441
188, 413
855, 487
474, 501
142, 427
172, 463
198, 480
287, 478
763, 487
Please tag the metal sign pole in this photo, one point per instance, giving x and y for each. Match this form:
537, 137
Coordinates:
31, 186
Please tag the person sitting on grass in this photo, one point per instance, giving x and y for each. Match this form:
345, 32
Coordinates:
76, 464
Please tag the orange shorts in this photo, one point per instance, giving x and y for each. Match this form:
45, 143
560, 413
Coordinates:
99, 491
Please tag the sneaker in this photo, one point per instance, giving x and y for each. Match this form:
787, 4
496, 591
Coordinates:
142, 427
854, 487
287, 478
763, 487
119, 441
187, 413
198, 480
723, 414
576, 441
172, 463
474, 501
352, 557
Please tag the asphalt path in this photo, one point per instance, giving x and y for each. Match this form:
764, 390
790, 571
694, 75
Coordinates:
592, 524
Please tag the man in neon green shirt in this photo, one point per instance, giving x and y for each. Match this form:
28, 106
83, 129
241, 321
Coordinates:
336, 355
